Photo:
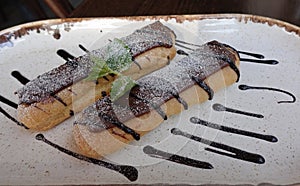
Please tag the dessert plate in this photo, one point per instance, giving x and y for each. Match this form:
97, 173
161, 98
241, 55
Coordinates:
247, 134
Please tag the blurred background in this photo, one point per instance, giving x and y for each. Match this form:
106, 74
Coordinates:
14, 12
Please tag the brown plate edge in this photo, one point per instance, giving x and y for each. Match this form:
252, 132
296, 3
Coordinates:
20, 30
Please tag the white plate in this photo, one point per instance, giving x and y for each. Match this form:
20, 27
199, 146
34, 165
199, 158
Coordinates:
31, 49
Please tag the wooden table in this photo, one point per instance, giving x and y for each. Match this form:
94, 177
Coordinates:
286, 10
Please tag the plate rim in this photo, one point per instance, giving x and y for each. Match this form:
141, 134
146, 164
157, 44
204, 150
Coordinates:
22, 29
243, 18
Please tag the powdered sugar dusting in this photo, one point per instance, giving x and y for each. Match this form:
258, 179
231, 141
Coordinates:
49, 83
160, 86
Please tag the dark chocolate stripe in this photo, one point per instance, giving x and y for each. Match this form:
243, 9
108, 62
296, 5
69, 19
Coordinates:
181, 52
129, 172
247, 87
8, 102
137, 64
155, 107
185, 47
259, 61
268, 138
237, 153
258, 56
219, 107
59, 99
205, 87
83, 48
232, 66
22, 79
12, 118
155, 153
112, 119
187, 43
126, 129
181, 101
65, 55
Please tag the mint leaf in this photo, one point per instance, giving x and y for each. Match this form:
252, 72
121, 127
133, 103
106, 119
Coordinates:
100, 69
119, 56
120, 86
116, 57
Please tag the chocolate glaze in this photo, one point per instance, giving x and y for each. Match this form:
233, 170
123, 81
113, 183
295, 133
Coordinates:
8, 102
51, 82
129, 172
219, 107
247, 87
237, 153
22, 79
219, 54
12, 118
215, 46
268, 138
155, 153
156, 88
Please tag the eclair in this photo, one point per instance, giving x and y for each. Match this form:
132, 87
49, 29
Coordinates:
57, 94
107, 126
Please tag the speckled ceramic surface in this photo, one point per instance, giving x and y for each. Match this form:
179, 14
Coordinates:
31, 50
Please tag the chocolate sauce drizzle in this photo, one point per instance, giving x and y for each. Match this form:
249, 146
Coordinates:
219, 107
258, 60
83, 48
258, 56
204, 86
22, 79
121, 126
65, 55
268, 138
247, 87
268, 62
155, 153
154, 106
237, 153
181, 52
59, 99
112, 119
129, 172
12, 118
182, 46
8, 102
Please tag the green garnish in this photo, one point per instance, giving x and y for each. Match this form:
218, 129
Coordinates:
119, 56
116, 58
100, 69
120, 86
